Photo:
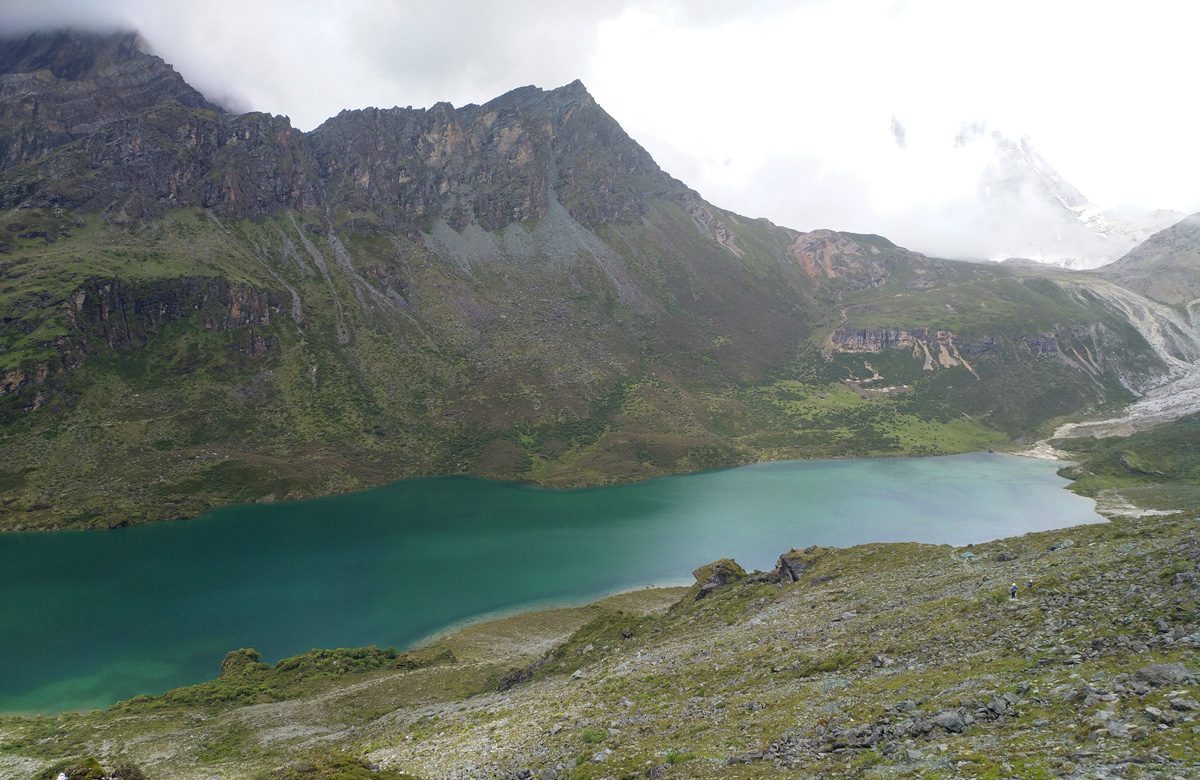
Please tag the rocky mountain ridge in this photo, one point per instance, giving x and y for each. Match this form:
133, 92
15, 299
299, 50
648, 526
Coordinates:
58, 87
489, 165
1165, 267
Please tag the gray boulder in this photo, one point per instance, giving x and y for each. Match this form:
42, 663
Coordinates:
747, 757
1160, 675
951, 721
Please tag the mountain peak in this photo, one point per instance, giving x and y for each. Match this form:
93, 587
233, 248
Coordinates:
68, 54
60, 86
576, 87
529, 96
1166, 266
1053, 222
112, 62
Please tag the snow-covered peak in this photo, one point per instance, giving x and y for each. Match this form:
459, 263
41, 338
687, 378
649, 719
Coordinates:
1048, 220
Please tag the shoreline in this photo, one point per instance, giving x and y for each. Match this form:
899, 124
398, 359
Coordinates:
1009, 449
552, 605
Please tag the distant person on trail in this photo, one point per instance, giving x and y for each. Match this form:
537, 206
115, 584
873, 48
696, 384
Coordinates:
1029, 585
1012, 592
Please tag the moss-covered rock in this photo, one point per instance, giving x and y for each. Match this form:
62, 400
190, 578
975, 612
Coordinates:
713, 575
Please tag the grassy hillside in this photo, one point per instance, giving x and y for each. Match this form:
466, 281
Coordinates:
1158, 469
155, 369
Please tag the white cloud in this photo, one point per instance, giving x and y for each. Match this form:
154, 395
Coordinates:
1101, 89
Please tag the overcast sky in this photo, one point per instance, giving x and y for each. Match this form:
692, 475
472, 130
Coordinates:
825, 113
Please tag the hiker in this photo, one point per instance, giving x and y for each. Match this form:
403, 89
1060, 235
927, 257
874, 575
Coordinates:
1029, 585
1012, 592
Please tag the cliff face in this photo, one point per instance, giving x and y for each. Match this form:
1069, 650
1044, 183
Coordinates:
58, 87
170, 156
1081, 348
488, 165
158, 144
125, 316
107, 316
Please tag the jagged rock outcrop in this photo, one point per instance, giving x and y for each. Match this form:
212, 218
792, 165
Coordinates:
792, 565
711, 223
57, 87
144, 142
171, 156
714, 575
488, 165
92, 121
113, 315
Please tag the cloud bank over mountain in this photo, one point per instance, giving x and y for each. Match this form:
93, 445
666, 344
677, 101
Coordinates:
871, 116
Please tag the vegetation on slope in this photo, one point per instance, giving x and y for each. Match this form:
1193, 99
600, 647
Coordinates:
182, 363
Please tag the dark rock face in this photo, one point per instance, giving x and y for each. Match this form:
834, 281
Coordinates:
408, 166
170, 156
489, 165
791, 567
1042, 343
144, 142
61, 86
514, 679
978, 346
851, 339
126, 316
121, 316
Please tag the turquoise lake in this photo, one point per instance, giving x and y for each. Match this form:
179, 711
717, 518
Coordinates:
90, 618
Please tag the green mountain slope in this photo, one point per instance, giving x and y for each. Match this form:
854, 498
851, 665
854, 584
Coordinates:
199, 308
1157, 469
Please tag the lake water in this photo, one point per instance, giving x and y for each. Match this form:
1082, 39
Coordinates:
90, 618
